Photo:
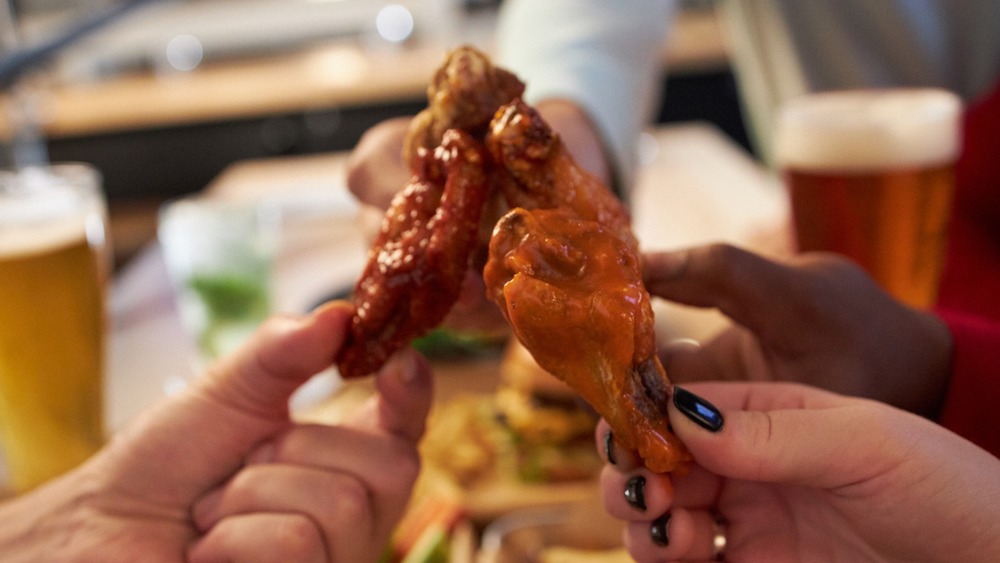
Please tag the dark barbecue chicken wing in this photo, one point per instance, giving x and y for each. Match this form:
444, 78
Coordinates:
418, 261
435, 224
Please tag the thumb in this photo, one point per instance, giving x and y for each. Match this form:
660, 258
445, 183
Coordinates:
783, 433
223, 414
261, 376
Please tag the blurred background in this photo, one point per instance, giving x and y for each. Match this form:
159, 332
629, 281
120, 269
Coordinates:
164, 95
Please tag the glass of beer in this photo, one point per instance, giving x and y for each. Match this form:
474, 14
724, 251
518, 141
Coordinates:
870, 175
54, 265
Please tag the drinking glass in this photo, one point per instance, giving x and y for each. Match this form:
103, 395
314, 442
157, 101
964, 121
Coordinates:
54, 266
870, 174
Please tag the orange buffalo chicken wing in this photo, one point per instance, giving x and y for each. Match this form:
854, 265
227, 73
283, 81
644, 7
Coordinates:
567, 277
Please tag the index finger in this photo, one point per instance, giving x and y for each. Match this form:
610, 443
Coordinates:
761, 294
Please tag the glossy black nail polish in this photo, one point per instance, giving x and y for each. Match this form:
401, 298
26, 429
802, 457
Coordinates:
635, 492
609, 447
699, 410
658, 530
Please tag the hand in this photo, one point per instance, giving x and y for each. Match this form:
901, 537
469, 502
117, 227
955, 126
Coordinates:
375, 168
800, 474
220, 473
815, 318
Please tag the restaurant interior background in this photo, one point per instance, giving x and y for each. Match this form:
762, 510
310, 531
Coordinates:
168, 94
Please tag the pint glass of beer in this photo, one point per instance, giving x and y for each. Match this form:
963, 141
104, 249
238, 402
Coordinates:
53, 273
870, 176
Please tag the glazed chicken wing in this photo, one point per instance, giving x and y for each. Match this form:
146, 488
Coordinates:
464, 94
419, 258
544, 176
567, 277
435, 224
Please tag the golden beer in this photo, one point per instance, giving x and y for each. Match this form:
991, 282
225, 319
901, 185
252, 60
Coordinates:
52, 328
871, 176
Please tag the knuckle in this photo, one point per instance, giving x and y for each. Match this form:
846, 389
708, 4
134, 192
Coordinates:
406, 467
298, 538
351, 504
244, 486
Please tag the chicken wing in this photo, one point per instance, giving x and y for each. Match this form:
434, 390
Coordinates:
464, 94
419, 258
567, 277
434, 225
572, 291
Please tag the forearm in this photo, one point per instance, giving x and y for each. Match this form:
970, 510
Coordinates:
601, 55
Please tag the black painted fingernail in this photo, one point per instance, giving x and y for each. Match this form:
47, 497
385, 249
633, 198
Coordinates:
635, 492
609, 447
699, 410
658, 530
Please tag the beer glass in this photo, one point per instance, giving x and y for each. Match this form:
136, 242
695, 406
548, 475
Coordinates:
54, 260
870, 175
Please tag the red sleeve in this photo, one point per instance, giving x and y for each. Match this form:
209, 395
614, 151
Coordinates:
972, 268
972, 404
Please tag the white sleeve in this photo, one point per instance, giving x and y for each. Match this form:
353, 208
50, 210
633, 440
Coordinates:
604, 55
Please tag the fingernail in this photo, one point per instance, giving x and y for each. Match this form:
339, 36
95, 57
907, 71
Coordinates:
635, 492
405, 366
658, 530
609, 447
699, 410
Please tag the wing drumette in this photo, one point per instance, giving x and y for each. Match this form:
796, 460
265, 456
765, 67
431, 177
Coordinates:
567, 277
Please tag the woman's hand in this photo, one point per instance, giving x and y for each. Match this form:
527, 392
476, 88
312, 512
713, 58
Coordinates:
815, 318
221, 473
793, 473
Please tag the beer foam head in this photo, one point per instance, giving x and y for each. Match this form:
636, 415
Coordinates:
865, 130
36, 219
